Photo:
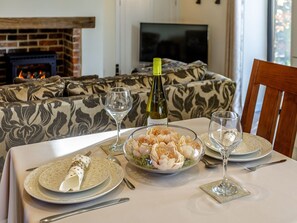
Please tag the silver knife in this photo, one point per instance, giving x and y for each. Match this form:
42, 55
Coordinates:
82, 210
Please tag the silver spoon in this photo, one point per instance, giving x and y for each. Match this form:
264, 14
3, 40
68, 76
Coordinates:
209, 164
127, 182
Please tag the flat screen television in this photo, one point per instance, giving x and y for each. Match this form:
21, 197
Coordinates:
183, 42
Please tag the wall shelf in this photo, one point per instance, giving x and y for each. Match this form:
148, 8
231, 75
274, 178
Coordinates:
47, 22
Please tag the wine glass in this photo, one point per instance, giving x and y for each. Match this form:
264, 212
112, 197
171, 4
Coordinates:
118, 103
226, 133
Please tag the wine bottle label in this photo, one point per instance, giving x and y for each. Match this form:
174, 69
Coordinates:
163, 121
157, 66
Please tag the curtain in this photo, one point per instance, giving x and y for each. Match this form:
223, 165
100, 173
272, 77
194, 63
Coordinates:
234, 48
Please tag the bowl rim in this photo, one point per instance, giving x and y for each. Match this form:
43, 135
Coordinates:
168, 125
170, 171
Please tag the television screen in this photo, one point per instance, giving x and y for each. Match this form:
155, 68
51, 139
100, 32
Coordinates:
183, 42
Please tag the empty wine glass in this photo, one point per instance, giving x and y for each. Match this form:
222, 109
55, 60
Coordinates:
225, 131
118, 103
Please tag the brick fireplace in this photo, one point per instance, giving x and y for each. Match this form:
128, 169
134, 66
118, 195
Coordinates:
61, 35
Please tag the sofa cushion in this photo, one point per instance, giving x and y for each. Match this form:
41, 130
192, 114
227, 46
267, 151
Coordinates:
82, 78
33, 90
177, 72
184, 74
132, 82
78, 88
80, 85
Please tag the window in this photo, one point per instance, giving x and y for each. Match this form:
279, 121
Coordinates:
279, 33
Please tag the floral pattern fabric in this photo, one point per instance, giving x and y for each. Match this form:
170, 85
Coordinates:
33, 90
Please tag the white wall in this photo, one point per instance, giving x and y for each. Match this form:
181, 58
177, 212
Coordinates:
129, 15
108, 31
215, 16
255, 38
98, 45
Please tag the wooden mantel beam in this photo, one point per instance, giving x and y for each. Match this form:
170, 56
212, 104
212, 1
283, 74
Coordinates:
47, 22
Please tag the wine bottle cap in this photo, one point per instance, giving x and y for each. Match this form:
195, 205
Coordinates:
157, 66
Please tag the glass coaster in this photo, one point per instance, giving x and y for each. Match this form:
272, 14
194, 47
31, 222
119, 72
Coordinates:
106, 148
241, 192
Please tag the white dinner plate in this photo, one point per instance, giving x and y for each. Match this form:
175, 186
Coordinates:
52, 177
265, 148
249, 145
34, 189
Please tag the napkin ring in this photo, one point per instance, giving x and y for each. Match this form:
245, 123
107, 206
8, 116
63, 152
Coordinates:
80, 164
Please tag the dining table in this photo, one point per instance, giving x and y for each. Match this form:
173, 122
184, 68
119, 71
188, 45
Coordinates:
172, 198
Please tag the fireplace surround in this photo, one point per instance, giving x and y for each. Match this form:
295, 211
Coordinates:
42, 34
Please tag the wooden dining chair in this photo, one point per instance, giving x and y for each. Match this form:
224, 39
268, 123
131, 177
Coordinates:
278, 116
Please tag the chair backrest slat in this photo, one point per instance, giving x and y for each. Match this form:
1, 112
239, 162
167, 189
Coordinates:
278, 118
269, 113
287, 125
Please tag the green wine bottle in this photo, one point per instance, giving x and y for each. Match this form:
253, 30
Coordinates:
156, 107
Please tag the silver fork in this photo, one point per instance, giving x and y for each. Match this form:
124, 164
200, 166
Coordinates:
253, 168
127, 182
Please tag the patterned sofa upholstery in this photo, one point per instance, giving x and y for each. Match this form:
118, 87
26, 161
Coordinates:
56, 107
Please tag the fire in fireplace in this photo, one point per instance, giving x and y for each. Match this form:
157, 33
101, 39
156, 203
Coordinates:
31, 65
33, 71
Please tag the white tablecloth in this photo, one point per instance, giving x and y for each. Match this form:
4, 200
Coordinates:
172, 198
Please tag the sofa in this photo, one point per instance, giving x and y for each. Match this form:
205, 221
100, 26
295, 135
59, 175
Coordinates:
57, 107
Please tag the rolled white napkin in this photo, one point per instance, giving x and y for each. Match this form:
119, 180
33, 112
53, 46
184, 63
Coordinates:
74, 178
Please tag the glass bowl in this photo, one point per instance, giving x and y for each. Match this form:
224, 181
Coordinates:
164, 149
